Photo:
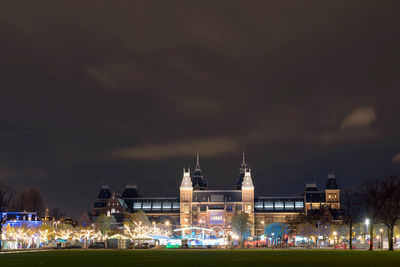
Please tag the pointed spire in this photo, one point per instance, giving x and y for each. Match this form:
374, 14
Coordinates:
197, 168
242, 170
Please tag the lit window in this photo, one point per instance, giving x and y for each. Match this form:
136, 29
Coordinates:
137, 205
147, 206
269, 205
278, 205
258, 205
289, 206
166, 206
299, 205
156, 206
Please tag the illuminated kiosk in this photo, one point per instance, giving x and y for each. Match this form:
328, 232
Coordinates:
199, 236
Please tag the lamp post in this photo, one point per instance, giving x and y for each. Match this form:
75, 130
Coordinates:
335, 237
381, 241
367, 224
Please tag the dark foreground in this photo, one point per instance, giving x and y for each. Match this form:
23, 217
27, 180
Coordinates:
192, 258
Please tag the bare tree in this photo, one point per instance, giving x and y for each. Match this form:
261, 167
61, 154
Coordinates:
57, 214
6, 197
351, 209
371, 201
30, 200
390, 211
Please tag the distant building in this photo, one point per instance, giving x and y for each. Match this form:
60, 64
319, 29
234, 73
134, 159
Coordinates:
199, 206
21, 219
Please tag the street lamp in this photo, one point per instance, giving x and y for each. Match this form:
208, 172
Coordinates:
367, 224
334, 237
381, 241
166, 223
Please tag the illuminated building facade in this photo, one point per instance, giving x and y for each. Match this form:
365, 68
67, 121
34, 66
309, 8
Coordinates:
201, 207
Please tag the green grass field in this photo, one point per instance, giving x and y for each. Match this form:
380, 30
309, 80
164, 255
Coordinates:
192, 258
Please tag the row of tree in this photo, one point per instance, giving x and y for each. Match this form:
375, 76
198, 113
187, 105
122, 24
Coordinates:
26, 200
377, 201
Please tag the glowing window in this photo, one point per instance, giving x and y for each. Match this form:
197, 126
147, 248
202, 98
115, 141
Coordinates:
137, 205
299, 205
259, 205
175, 206
269, 205
278, 205
166, 206
289, 206
147, 206
156, 206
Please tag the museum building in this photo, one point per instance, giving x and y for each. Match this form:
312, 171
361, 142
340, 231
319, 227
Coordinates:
201, 207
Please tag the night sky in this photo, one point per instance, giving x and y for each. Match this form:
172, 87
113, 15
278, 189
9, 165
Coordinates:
126, 91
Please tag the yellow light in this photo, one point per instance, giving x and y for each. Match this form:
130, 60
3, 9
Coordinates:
166, 222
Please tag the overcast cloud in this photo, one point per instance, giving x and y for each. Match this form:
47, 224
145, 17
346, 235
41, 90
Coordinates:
128, 90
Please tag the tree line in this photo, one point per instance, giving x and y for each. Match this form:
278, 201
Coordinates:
375, 200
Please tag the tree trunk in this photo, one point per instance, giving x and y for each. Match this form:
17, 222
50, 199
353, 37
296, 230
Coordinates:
350, 235
371, 238
390, 237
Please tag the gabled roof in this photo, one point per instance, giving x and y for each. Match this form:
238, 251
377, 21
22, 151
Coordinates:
104, 193
131, 192
331, 183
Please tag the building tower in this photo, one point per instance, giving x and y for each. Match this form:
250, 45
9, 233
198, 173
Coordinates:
198, 181
248, 197
243, 169
186, 196
332, 192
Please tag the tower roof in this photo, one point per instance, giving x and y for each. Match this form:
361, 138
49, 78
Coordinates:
242, 170
247, 181
186, 181
198, 181
130, 191
104, 193
331, 183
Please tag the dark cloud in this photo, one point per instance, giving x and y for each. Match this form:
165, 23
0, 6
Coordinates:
209, 148
129, 90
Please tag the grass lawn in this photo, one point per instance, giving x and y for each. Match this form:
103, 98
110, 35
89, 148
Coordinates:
192, 258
